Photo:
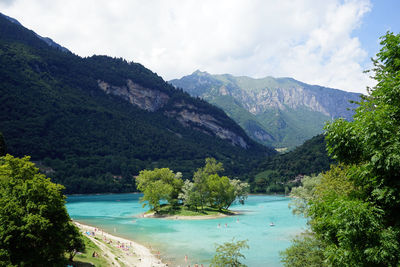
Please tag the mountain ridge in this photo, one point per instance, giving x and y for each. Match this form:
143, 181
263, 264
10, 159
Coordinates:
47, 40
93, 123
273, 111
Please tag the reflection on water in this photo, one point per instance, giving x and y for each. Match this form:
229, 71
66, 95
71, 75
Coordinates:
196, 238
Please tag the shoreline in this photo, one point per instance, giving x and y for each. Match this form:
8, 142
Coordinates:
121, 251
194, 217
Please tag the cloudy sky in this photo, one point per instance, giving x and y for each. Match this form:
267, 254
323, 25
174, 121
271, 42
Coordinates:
325, 42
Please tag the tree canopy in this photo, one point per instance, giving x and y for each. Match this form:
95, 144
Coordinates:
208, 188
354, 209
228, 254
159, 184
35, 228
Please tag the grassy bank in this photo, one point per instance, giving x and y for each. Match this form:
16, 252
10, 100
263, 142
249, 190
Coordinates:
86, 259
181, 210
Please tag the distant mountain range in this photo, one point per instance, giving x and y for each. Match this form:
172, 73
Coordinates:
281, 112
93, 123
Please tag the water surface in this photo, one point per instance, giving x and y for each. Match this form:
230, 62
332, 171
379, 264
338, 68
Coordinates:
119, 214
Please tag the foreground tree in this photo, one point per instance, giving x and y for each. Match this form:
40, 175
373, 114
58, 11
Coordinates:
35, 228
229, 255
306, 250
371, 145
354, 210
75, 242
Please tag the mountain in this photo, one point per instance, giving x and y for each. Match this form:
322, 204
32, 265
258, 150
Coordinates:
281, 112
3, 148
47, 40
93, 123
276, 173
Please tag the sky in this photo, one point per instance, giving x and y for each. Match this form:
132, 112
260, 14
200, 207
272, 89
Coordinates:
324, 42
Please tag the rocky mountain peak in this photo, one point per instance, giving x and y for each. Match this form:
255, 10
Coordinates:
286, 110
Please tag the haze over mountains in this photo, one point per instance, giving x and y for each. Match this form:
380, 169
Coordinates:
93, 123
281, 112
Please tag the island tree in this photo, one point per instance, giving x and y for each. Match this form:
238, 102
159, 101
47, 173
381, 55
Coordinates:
159, 184
211, 189
207, 189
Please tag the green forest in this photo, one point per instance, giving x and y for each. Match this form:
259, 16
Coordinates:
277, 174
92, 142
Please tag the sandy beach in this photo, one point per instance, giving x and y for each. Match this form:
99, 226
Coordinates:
120, 251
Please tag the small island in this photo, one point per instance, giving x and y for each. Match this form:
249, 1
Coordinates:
207, 196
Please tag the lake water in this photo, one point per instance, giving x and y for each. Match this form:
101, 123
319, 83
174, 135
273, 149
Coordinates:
119, 214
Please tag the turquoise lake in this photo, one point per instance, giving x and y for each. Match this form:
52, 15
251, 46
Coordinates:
119, 214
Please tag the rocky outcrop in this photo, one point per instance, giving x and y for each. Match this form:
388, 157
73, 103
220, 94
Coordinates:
295, 97
187, 114
144, 98
287, 111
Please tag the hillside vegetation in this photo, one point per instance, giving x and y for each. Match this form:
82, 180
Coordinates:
281, 172
69, 115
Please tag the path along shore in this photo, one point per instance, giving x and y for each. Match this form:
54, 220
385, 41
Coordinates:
120, 251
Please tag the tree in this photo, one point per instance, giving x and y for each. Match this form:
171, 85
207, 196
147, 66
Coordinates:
35, 228
221, 191
354, 209
371, 145
322, 198
303, 194
306, 250
76, 243
209, 188
228, 254
189, 196
200, 177
159, 184
241, 190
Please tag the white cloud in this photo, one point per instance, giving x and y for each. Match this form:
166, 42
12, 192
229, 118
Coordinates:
306, 39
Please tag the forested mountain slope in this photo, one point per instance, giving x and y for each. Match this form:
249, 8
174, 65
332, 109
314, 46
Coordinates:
281, 112
93, 123
286, 170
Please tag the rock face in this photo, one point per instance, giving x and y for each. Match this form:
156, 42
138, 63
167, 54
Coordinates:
187, 114
281, 112
144, 98
190, 116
